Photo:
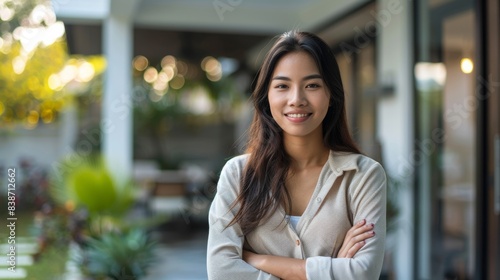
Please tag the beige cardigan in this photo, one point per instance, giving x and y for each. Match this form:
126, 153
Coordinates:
350, 188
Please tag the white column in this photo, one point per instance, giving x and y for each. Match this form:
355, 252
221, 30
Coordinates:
116, 124
395, 52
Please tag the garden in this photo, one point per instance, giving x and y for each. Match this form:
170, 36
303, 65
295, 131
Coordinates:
73, 219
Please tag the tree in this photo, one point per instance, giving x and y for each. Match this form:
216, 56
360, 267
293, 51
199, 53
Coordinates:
32, 53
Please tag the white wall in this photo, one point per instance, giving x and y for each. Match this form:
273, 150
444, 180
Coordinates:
395, 118
43, 145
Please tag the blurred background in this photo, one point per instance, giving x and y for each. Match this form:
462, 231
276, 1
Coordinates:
116, 117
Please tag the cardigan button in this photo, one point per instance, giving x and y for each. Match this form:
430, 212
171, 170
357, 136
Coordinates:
318, 200
297, 242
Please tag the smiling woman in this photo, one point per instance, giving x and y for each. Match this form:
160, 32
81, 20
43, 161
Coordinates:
303, 202
298, 99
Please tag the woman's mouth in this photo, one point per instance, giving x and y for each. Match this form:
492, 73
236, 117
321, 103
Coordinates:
297, 118
297, 115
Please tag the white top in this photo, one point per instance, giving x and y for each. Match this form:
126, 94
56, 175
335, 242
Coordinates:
294, 220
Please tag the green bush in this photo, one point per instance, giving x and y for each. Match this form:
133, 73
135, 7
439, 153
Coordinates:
87, 182
118, 255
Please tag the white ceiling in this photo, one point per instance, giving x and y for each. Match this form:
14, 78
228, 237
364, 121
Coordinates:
242, 16
253, 17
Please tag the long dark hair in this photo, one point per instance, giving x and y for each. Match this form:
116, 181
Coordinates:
263, 181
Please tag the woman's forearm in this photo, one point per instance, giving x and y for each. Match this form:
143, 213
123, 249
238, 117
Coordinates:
290, 268
282, 267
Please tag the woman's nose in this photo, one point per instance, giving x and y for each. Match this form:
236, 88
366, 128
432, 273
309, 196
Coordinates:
297, 97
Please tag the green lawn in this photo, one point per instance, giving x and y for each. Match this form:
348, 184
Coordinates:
51, 263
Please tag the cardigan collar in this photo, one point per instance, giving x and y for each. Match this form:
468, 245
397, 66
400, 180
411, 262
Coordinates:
343, 161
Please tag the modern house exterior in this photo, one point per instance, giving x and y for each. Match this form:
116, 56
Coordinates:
422, 80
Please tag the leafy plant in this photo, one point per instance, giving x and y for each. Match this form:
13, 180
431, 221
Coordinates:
110, 244
87, 182
118, 256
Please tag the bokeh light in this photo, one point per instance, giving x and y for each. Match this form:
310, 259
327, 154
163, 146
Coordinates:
18, 64
33, 117
168, 60
85, 72
212, 67
68, 73
150, 75
140, 63
177, 82
466, 65
47, 116
6, 13
169, 72
55, 82
182, 67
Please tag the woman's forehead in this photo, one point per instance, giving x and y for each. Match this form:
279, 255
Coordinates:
297, 64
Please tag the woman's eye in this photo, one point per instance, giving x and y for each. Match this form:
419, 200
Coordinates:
280, 86
313, 86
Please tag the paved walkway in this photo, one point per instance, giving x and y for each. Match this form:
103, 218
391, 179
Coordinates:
181, 257
24, 248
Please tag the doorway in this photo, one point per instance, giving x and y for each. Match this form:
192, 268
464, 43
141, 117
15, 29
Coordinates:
447, 110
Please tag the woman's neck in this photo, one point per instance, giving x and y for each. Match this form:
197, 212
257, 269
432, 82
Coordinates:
305, 153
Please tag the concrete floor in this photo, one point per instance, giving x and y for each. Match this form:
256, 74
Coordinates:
181, 255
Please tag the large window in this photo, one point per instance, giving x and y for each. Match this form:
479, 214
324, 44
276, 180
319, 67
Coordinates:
447, 105
358, 78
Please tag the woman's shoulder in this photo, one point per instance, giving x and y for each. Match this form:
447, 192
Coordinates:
366, 163
359, 162
235, 165
229, 180
365, 173
237, 161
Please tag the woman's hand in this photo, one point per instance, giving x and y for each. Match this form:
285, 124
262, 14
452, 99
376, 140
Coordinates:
355, 239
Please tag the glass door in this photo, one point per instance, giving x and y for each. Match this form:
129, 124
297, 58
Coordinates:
447, 106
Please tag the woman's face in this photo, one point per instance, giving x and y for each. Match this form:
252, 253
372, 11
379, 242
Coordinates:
298, 96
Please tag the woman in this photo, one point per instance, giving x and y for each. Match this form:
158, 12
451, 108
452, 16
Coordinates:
303, 203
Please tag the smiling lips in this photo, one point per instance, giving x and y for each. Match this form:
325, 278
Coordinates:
298, 117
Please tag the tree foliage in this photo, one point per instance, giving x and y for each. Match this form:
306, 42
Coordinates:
27, 97
32, 49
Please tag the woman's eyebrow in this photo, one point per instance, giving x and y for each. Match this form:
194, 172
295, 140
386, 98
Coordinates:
308, 77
